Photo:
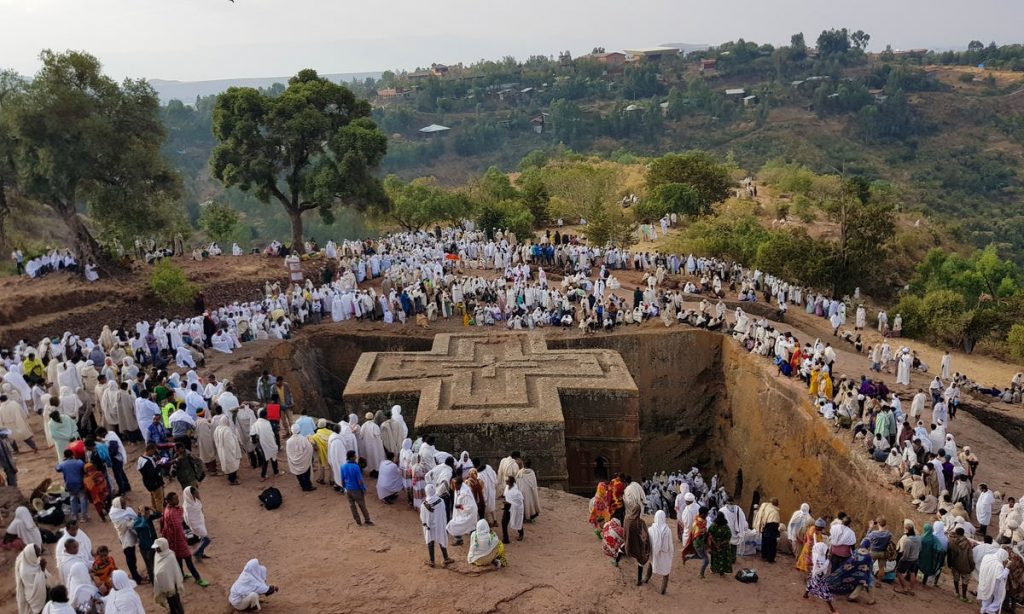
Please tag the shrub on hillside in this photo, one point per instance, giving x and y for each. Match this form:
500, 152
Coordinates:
1016, 341
169, 284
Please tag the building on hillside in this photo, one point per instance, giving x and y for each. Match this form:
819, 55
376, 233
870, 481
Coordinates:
390, 93
749, 101
736, 92
613, 61
439, 70
652, 54
419, 75
708, 65
434, 130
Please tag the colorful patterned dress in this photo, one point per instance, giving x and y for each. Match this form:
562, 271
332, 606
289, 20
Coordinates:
721, 550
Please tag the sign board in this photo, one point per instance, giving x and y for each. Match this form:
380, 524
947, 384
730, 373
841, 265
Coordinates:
294, 267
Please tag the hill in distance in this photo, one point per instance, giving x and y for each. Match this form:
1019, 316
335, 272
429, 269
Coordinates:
187, 91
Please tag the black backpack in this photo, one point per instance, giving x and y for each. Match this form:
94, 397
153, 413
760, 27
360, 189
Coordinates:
271, 498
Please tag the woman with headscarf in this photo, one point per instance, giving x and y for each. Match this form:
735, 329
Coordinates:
419, 481
638, 545
63, 431
662, 548
123, 519
229, 452
24, 527
485, 548
797, 526
352, 434
204, 438
168, 581
405, 466
81, 589
817, 582
433, 518
599, 507
931, 558
122, 599
336, 454
30, 580
250, 585
476, 486
719, 541
394, 430
196, 520
812, 536
992, 576
463, 464
465, 514
300, 458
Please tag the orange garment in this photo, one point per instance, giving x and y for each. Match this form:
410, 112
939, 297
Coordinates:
103, 568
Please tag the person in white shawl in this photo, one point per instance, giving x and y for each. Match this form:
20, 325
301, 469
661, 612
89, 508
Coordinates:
992, 581
168, 581
266, 447
81, 590
662, 548
122, 599
24, 527
394, 431
512, 518
300, 457
348, 433
123, 519
485, 548
30, 577
192, 505
336, 452
229, 452
686, 517
464, 516
433, 517
204, 439
389, 479
798, 523
371, 444
250, 585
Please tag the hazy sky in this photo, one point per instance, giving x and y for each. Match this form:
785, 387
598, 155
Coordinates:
210, 39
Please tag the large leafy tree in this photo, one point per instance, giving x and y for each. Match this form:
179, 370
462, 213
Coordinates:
10, 86
697, 169
81, 141
311, 147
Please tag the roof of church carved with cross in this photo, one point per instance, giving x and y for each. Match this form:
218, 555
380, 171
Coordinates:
490, 378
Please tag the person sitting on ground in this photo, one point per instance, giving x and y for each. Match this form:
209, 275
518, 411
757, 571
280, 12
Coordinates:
250, 586
485, 548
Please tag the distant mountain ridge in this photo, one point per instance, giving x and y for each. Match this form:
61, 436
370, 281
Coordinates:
186, 91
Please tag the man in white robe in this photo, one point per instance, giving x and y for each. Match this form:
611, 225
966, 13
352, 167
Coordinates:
229, 452
336, 453
394, 431
903, 369
686, 517
389, 480
508, 467
371, 444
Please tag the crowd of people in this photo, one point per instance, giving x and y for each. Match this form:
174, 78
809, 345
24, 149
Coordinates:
51, 262
122, 387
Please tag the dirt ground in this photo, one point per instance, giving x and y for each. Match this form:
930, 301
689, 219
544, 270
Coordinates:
323, 562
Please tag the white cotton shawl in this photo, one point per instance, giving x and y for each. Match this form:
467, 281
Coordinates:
265, 431
30, 581
122, 599
193, 509
662, 547
482, 543
81, 589
229, 452
989, 572
799, 521
299, 450
167, 576
336, 452
24, 527
253, 579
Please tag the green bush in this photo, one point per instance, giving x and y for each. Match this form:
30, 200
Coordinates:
1016, 341
169, 284
505, 215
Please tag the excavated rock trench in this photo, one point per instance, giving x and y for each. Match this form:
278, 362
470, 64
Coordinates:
703, 402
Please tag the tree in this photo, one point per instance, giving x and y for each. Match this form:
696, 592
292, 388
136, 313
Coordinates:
866, 225
534, 194
698, 169
680, 198
833, 42
798, 47
860, 39
81, 140
310, 148
218, 221
11, 85
505, 215
975, 46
